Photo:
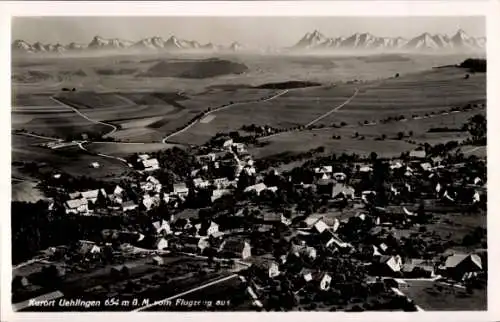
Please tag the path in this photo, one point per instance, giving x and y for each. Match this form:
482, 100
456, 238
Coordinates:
185, 128
474, 149
334, 109
80, 145
39, 136
318, 118
159, 303
114, 128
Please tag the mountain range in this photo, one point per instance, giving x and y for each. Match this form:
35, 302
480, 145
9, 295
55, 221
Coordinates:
310, 42
460, 41
98, 43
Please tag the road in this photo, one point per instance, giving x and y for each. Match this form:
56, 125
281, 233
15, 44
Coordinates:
474, 149
220, 109
334, 109
114, 128
80, 145
158, 303
318, 118
40, 136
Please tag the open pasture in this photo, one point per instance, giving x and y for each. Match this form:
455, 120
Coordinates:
304, 141
70, 160
125, 149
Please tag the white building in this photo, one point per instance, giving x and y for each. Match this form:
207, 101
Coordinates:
151, 164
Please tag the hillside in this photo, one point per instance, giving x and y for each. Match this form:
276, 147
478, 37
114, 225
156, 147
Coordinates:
195, 69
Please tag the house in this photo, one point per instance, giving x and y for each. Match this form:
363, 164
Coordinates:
365, 169
307, 274
258, 188
180, 189
162, 227
458, 265
88, 247
339, 176
320, 226
221, 183
272, 217
159, 260
76, 206
328, 238
324, 281
227, 143
211, 230
129, 205
240, 147
142, 157
236, 248
396, 165
118, 191
211, 157
426, 166
324, 169
415, 268
151, 164
95, 165
342, 190
92, 195
200, 183
386, 265
270, 267
418, 154
216, 194
161, 243
309, 252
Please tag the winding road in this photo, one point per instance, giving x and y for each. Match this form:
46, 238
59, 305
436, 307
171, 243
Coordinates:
114, 128
185, 128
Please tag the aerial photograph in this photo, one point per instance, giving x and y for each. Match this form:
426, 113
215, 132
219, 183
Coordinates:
185, 163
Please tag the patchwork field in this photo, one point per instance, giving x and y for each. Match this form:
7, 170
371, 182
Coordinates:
147, 109
71, 160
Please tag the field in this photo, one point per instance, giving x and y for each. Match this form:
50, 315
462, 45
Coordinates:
70, 160
147, 109
435, 297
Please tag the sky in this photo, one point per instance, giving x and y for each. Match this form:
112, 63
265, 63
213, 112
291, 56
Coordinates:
251, 31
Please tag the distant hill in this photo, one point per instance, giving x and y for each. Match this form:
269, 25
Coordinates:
474, 65
195, 69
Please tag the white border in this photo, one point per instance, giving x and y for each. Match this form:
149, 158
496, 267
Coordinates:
490, 9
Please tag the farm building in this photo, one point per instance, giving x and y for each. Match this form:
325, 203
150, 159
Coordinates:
162, 227
458, 265
216, 194
342, 190
417, 154
200, 183
235, 248
129, 205
258, 188
418, 268
386, 265
180, 189
76, 206
95, 165
150, 164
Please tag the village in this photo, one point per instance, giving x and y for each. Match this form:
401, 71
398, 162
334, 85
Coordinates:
333, 234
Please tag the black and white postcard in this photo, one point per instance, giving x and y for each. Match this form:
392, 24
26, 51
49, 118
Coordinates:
249, 163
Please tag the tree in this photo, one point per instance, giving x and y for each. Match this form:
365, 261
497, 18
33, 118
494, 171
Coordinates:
400, 135
477, 128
